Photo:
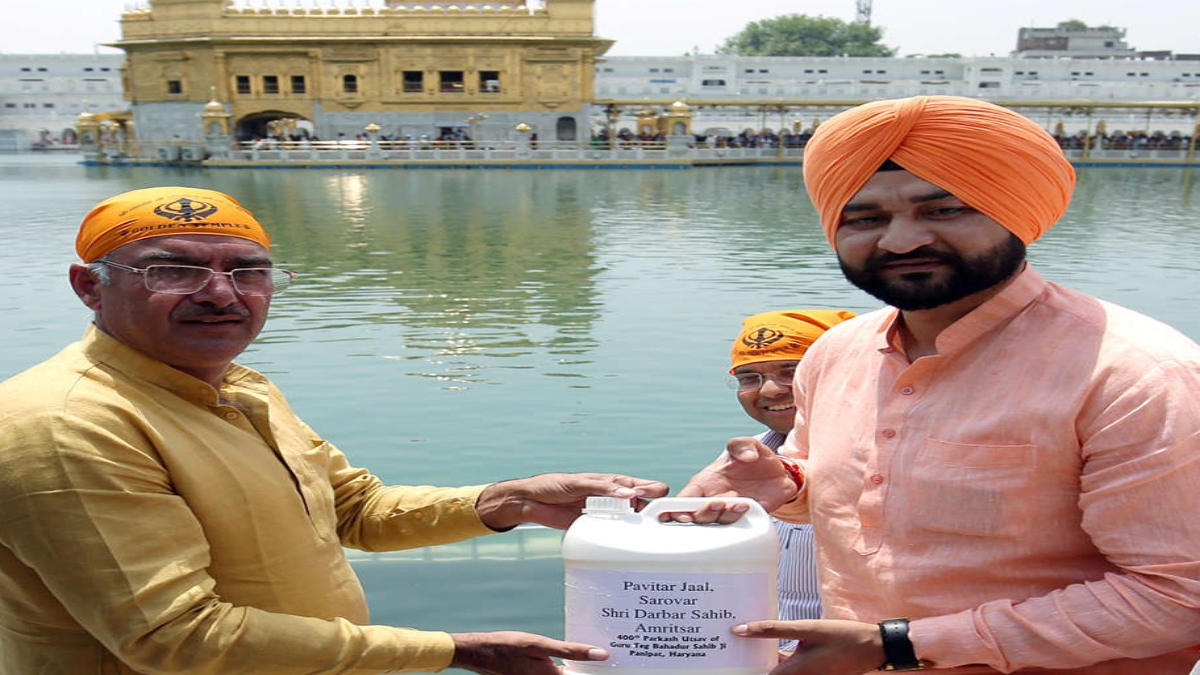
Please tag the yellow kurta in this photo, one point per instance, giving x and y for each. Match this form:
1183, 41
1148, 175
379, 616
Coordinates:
149, 524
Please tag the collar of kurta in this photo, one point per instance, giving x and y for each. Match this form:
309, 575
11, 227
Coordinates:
979, 322
102, 348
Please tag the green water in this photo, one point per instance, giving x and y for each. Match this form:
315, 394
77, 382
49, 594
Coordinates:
458, 326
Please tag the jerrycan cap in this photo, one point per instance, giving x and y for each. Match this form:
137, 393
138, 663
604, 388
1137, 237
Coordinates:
607, 506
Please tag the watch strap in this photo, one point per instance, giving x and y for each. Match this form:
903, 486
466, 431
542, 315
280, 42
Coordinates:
897, 647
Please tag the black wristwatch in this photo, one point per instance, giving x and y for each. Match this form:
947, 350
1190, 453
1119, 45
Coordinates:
897, 648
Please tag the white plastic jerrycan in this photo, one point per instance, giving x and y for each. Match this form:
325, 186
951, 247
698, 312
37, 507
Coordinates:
662, 597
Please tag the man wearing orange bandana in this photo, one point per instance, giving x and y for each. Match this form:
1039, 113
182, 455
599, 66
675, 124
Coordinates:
764, 359
1001, 472
162, 510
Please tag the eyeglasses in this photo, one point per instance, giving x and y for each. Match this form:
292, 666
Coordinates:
187, 279
753, 381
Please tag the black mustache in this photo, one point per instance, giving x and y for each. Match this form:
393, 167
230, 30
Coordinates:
924, 253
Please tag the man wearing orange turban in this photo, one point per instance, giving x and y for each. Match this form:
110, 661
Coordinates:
992, 158
1000, 471
162, 509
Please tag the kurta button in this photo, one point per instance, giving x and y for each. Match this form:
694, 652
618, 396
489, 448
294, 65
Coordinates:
889, 433
231, 415
907, 391
877, 479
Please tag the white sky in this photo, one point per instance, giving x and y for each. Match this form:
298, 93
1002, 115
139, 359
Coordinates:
674, 27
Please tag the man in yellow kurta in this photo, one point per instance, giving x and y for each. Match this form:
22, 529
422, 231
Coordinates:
162, 509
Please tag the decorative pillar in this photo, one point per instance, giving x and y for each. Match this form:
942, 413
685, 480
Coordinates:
373, 151
476, 136
612, 114
88, 130
647, 123
523, 148
1087, 136
678, 120
1191, 151
215, 123
676, 124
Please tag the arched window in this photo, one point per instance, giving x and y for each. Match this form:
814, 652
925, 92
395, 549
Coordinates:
349, 84
565, 129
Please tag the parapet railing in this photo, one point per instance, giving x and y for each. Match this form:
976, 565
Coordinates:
525, 542
296, 8
493, 152
527, 152
409, 145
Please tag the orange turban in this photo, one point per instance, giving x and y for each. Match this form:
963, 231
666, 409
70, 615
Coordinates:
782, 336
993, 159
161, 212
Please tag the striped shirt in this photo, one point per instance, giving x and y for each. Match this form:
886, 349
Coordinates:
799, 593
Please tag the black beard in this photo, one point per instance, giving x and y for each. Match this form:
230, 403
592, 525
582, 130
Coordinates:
915, 291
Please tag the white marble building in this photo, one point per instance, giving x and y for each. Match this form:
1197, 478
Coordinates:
41, 95
711, 78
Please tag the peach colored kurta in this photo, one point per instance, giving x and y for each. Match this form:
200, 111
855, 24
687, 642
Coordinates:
151, 524
1029, 496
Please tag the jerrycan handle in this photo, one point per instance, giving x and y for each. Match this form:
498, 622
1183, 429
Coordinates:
684, 504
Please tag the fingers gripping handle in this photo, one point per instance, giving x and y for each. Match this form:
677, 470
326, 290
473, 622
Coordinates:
663, 505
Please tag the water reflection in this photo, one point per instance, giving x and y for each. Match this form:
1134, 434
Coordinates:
1130, 237
458, 327
457, 265
350, 192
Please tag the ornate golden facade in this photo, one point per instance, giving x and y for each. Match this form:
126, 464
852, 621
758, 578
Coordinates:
411, 67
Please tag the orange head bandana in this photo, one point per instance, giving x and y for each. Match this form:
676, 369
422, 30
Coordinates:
782, 336
161, 212
990, 157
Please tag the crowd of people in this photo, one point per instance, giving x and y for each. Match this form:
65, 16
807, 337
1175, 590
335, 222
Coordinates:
747, 138
1128, 140
449, 137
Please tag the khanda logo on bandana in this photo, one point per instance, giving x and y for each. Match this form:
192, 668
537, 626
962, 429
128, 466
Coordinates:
163, 212
781, 335
762, 338
185, 210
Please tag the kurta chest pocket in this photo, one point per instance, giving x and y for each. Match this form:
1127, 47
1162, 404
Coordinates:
977, 490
